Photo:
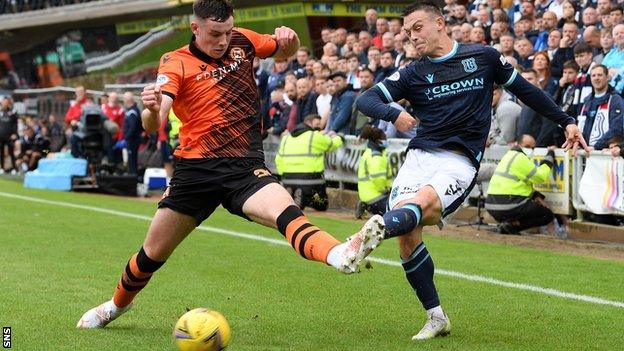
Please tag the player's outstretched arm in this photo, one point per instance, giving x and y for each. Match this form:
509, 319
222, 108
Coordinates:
287, 42
538, 100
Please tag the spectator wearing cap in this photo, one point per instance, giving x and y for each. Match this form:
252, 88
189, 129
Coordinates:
341, 105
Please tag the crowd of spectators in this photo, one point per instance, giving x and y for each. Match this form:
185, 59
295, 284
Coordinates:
108, 133
17, 6
571, 50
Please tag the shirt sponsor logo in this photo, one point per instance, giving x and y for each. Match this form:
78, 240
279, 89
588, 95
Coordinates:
454, 88
429, 77
162, 79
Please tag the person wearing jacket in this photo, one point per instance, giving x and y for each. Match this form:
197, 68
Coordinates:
374, 174
600, 117
300, 162
511, 200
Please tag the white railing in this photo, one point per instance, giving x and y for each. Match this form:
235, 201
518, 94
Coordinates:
125, 52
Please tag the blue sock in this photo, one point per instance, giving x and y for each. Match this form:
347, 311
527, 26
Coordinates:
402, 220
419, 273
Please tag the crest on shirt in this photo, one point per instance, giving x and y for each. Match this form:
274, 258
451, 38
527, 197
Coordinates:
237, 54
395, 76
470, 65
162, 79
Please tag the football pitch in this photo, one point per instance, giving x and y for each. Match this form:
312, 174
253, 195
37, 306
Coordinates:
63, 253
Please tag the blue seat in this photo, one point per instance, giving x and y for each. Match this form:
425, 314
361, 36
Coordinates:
56, 174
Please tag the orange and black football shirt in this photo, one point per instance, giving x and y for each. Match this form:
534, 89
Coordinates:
217, 99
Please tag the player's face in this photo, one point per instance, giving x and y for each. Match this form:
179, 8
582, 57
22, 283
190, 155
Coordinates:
212, 37
423, 30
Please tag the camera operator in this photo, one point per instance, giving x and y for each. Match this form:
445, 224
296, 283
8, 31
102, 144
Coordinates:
92, 134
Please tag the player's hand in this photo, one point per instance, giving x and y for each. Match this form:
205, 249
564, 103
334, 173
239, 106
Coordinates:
574, 139
405, 122
285, 37
152, 97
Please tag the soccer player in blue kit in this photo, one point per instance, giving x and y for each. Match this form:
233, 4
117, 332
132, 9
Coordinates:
450, 89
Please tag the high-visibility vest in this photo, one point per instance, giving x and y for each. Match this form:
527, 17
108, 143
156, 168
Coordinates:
305, 153
374, 176
515, 175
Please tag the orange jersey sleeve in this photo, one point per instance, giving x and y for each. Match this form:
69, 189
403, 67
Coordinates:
264, 44
170, 74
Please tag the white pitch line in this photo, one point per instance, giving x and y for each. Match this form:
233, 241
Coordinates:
469, 277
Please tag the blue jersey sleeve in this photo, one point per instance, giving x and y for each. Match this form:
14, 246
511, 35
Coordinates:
395, 87
504, 73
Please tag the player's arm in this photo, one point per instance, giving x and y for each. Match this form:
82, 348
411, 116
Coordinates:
374, 103
156, 105
535, 98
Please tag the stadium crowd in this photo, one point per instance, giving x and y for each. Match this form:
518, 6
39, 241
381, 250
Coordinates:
17, 6
571, 50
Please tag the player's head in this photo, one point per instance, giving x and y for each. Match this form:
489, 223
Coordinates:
423, 23
212, 25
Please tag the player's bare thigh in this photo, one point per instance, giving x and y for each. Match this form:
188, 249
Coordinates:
429, 203
267, 204
166, 232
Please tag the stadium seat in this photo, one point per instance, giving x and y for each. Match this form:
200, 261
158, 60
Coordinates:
56, 174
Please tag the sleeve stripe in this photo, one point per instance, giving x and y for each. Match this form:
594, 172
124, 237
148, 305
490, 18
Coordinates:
385, 91
171, 95
511, 79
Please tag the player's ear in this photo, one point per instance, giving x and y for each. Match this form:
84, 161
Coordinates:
195, 28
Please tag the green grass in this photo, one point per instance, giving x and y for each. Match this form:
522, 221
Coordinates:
57, 262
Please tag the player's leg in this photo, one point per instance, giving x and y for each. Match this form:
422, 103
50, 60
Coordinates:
272, 206
438, 193
166, 232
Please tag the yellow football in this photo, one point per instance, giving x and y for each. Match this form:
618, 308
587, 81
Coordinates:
202, 329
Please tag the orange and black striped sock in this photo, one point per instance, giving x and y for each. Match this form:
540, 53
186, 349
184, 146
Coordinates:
134, 278
308, 240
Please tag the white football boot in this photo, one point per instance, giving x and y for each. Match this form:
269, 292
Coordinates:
362, 243
100, 316
437, 325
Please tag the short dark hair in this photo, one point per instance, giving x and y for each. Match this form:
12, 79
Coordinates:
216, 10
432, 6
603, 67
582, 47
571, 64
311, 117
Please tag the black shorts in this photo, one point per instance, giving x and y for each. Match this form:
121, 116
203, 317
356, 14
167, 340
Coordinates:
198, 186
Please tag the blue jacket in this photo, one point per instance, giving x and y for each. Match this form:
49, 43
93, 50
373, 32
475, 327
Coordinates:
590, 115
132, 125
341, 110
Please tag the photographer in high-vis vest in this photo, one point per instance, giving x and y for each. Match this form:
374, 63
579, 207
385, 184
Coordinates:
300, 162
511, 199
374, 174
